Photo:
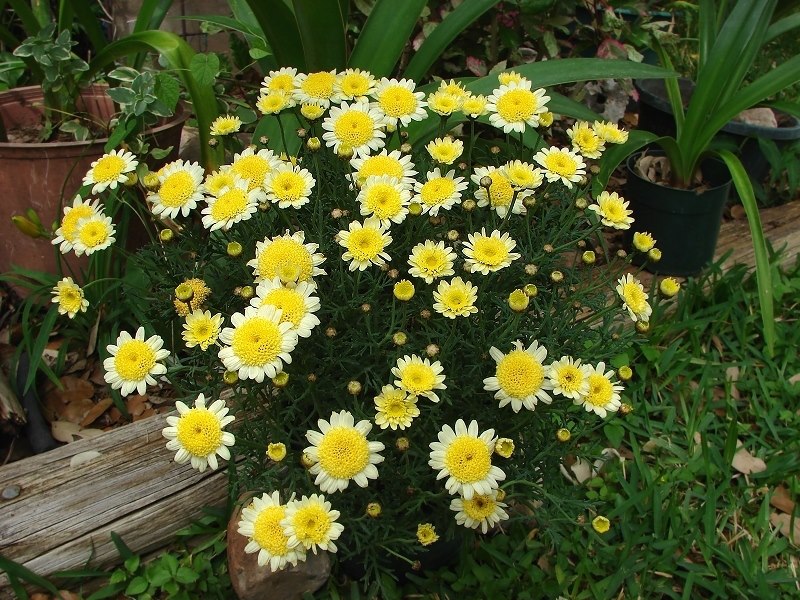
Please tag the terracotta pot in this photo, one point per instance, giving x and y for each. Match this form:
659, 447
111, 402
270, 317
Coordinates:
46, 176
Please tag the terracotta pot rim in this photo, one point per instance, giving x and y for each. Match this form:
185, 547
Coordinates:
180, 116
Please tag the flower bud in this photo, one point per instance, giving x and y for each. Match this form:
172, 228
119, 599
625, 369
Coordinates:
601, 524
669, 287
26, 226
404, 290
400, 339
313, 144
234, 249
247, 292
166, 235
425, 313
654, 254
393, 273
312, 111
581, 203
301, 133
625, 409
312, 377
353, 388
406, 148
556, 277
546, 119
306, 460
151, 181
230, 377
452, 235
281, 380
184, 291
531, 291
495, 149
589, 257
531, 269
330, 332
374, 510
366, 307
345, 152
486, 181
415, 209
276, 451
402, 444
563, 435
642, 326
625, 373
504, 447
469, 205
643, 241
518, 300
432, 350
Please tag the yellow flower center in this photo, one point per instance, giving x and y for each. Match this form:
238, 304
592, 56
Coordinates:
480, 507
614, 211
587, 140
445, 152
500, 192
93, 234
108, 168
384, 200
432, 261
520, 176
257, 341
489, 251
343, 452
437, 190
229, 205
291, 303
272, 103
70, 299
426, 534
354, 128
283, 83
253, 168
319, 85
634, 297
177, 189
199, 432
69, 225
311, 524
397, 101
444, 103
561, 164
225, 125
455, 298
467, 459
517, 105
202, 331
289, 186
365, 244
217, 181
380, 165
134, 360
600, 390
268, 533
354, 84
395, 407
520, 374
285, 253
474, 105
418, 378
569, 378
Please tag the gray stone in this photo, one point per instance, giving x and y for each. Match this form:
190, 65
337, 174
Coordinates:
252, 582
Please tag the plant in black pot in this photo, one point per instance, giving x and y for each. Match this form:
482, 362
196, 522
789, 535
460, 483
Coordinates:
678, 195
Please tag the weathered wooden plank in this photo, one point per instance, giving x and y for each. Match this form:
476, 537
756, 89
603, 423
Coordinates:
64, 515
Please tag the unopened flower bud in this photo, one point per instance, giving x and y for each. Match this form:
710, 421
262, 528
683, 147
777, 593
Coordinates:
531, 269
529, 201
406, 148
504, 447
518, 300
425, 313
621, 253
500, 495
400, 339
330, 332
345, 152
353, 388
374, 510
548, 248
131, 179
313, 144
366, 307
234, 249
301, 133
166, 235
404, 290
393, 273
415, 209
642, 326
264, 140
184, 292
589, 257
495, 149
601, 524
306, 460
151, 181
247, 292
669, 287
452, 235
276, 451
625, 373
546, 119
531, 291
337, 213
486, 181
563, 435
625, 409
581, 203
230, 377
402, 444
431, 350
654, 254
469, 205
281, 380
556, 277
27, 226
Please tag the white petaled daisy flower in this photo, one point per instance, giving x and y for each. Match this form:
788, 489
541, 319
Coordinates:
612, 210
439, 192
282, 81
500, 194
355, 126
110, 170
312, 111
444, 103
522, 175
455, 298
395, 408
602, 396
481, 512
465, 457
297, 304
512, 106
399, 102
430, 260
69, 297
454, 88
585, 140
315, 88
488, 253
635, 298
196, 434
67, 232
561, 164
365, 244
609, 132
201, 329
354, 84
474, 105
287, 257
233, 204
311, 523
225, 125
289, 186
260, 523
568, 377
419, 376
258, 344
392, 164
134, 361
274, 102
507, 77
254, 166
93, 233
384, 198
342, 453
218, 180
519, 378
180, 189
445, 150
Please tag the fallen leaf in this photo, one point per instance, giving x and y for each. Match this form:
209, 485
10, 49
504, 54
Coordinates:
84, 457
79, 366
787, 526
781, 500
717, 344
794, 378
63, 431
93, 335
136, 404
738, 212
76, 410
94, 413
74, 388
746, 463
732, 375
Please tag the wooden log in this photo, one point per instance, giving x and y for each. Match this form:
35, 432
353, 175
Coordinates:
64, 515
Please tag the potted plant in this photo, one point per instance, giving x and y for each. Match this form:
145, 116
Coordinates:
672, 197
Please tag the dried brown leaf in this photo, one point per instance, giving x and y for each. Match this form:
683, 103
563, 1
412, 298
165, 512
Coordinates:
76, 410
98, 409
746, 463
738, 212
732, 375
136, 404
64, 431
781, 500
787, 526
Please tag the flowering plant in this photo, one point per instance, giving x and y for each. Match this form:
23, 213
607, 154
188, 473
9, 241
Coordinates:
410, 338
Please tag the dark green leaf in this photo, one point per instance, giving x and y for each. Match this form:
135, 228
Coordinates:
205, 68
137, 585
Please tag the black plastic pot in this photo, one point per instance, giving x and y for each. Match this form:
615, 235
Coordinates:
684, 223
655, 115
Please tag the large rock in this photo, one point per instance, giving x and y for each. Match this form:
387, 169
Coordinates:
252, 582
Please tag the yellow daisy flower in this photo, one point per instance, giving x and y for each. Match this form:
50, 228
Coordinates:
602, 396
282, 81
399, 102
385, 199
669, 287
225, 125
568, 377
609, 132
419, 377
261, 525
601, 524
522, 175
634, 297
395, 408
488, 253
196, 434
134, 362
93, 233
355, 126
643, 241
69, 297
444, 103
392, 164
289, 186
315, 88
233, 204
500, 194
403, 290
561, 164
287, 257
276, 451
201, 329
445, 150
110, 170
253, 166
464, 457
342, 453
297, 304
180, 189
310, 523
67, 232
455, 298
365, 244
431, 260
512, 106
426, 534
612, 210
354, 84
274, 102
519, 378
312, 111
481, 512
439, 191
509, 77
585, 140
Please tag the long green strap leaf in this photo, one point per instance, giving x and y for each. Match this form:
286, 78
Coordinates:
151, 15
614, 156
570, 70
82, 10
279, 26
24, 13
778, 28
708, 31
443, 35
179, 55
763, 273
322, 31
21, 572
385, 34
